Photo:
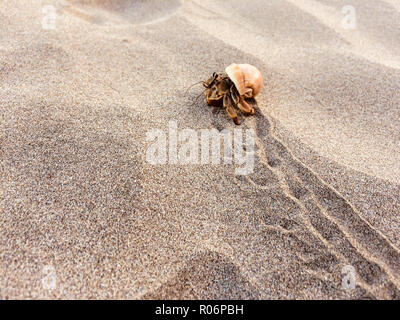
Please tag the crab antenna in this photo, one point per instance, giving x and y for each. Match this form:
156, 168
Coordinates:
192, 87
200, 94
197, 98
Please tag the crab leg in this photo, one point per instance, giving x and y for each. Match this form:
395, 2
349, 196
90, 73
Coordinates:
245, 107
234, 94
230, 109
208, 94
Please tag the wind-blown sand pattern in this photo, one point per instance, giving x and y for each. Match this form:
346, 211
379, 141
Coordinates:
78, 195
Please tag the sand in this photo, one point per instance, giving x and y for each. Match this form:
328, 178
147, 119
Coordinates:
85, 216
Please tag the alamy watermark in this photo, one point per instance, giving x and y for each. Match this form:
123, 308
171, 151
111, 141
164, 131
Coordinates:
349, 21
49, 279
49, 19
349, 279
202, 147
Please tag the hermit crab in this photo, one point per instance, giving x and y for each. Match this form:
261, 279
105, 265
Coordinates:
232, 87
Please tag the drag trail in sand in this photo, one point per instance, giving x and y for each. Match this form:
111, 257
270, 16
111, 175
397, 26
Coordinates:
77, 193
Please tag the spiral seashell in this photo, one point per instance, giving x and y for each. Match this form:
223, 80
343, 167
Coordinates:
247, 79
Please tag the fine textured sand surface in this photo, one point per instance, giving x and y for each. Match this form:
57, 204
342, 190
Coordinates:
81, 206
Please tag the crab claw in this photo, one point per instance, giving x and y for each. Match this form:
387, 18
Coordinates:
230, 109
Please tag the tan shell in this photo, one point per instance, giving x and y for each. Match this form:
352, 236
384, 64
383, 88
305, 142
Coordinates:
247, 79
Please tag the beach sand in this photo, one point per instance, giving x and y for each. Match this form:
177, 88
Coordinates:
85, 216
